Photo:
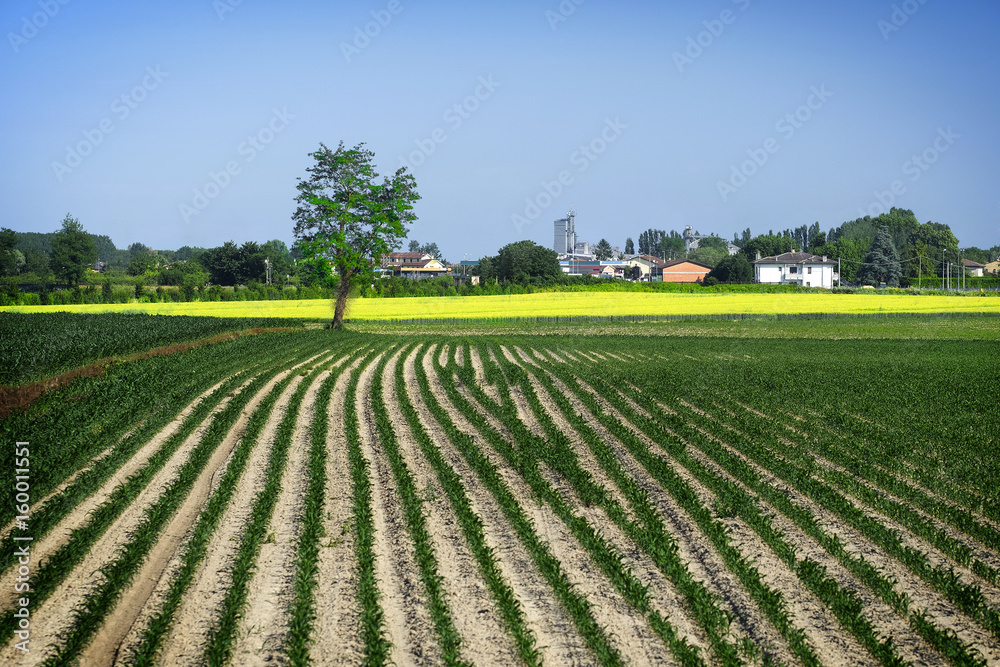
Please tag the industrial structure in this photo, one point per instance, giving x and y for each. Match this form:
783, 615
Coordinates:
565, 238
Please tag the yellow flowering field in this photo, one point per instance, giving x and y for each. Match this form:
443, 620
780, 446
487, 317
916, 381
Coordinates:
562, 304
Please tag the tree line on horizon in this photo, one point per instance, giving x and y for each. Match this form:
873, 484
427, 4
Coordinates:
66, 255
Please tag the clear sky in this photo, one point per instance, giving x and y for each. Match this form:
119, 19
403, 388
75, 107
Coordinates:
189, 122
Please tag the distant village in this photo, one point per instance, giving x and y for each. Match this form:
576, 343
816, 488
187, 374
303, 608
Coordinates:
578, 258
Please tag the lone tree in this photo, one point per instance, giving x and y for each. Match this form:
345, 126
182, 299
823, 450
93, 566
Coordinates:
73, 250
346, 221
882, 262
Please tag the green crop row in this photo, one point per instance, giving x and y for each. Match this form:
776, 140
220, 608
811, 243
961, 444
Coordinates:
508, 605
802, 473
771, 601
117, 575
416, 523
845, 606
375, 644
302, 613
576, 605
197, 547
222, 636
648, 532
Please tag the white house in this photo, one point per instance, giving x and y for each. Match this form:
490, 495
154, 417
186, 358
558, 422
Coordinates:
796, 268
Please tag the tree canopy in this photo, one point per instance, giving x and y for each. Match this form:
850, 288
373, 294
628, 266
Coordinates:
768, 245
73, 251
733, 269
8, 259
519, 262
603, 250
427, 249
346, 221
881, 264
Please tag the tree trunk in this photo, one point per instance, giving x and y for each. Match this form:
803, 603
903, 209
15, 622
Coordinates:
343, 289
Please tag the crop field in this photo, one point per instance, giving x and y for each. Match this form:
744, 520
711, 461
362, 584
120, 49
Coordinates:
328, 498
559, 304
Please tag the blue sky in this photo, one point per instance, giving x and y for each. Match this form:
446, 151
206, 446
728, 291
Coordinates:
189, 123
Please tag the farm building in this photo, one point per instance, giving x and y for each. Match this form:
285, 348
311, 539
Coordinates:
684, 271
413, 265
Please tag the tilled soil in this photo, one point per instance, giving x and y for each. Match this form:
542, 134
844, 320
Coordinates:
478, 616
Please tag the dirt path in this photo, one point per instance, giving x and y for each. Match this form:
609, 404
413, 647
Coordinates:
474, 613
480, 373
557, 639
337, 613
264, 627
403, 599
